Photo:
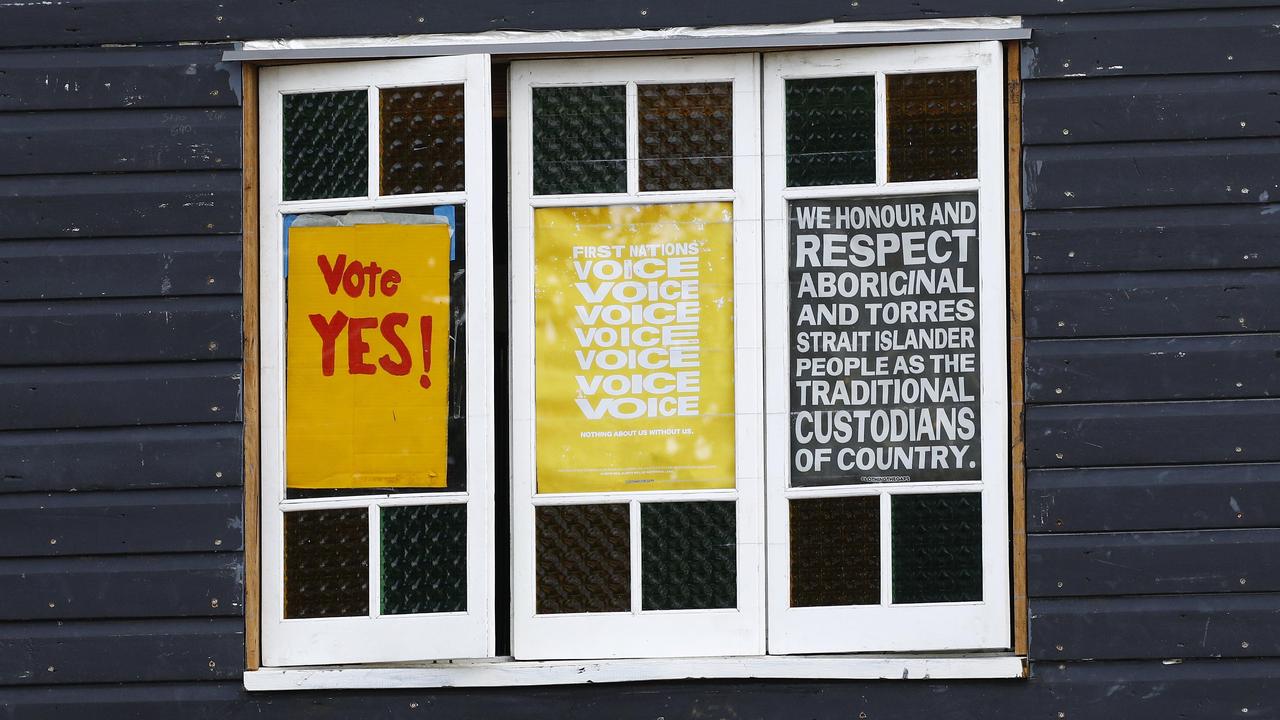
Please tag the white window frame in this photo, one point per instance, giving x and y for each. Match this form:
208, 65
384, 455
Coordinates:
887, 627
379, 638
640, 633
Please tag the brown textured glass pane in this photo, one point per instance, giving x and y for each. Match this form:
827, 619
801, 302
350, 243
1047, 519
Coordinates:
424, 559
686, 136
933, 126
326, 563
688, 555
326, 145
937, 548
583, 558
422, 139
835, 551
831, 131
579, 139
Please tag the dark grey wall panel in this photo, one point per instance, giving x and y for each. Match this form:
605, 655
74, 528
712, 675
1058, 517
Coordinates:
114, 523
1164, 238
127, 205
179, 456
99, 78
1175, 626
122, 586
1133, 174
1155, 368
1153, 498
1101, 305
50, 653
117, 331
1168, 433
1194, 41
1173, 107
119, 267
1209, 561
71, 397
119, 141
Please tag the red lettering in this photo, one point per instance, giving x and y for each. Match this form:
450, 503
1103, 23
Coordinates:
425, 380
332, 273
329, 330
353, 279
357, 347
372, 272
389, 325
390, 281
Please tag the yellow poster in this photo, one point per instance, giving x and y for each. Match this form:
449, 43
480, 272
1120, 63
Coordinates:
634, 347
367, 370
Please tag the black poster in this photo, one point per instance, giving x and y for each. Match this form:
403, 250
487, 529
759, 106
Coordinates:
884, 375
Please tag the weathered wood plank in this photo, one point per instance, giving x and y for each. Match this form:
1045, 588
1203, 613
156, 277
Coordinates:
119, 267
1166, 433
92, 396
1172, 107
125, 205
1204, 367
1151, 563
156, 77
131, 458
1179, 626
79, 332
122, 586
1154, 498
1164, 238
118, 523
1193, 41
1166, 303
119, 141
1160, 173
49, 653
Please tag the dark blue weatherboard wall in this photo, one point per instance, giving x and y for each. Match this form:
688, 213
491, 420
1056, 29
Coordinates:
1152, 132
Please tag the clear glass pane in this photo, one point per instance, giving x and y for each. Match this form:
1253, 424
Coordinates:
933, 126
635, 347
579, 139
424, 559
422, 139
583, 558
937, 548
686, 136
835, 551
689, 555
326, 145
831, 131
326, 563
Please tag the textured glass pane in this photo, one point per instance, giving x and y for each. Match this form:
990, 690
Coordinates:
686, 136
424, 559
422, 139
937, 548
933, 126
583, 558
326, 145
579, 139
326, 563
831, 131
689, 555
835, 551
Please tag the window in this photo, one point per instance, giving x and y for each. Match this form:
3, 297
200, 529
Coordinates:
758, 395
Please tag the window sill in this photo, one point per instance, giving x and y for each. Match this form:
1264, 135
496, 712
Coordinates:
509, 673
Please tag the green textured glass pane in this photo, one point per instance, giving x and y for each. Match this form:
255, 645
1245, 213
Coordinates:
326, 145
424, 559
835, 551
688, 555
831, 131
937, 548
686, 136
326, 563
583, 558
933, 126
422, 139
579, 139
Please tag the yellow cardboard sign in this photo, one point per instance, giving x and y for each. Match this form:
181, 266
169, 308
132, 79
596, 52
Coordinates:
367, 372
634, 347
